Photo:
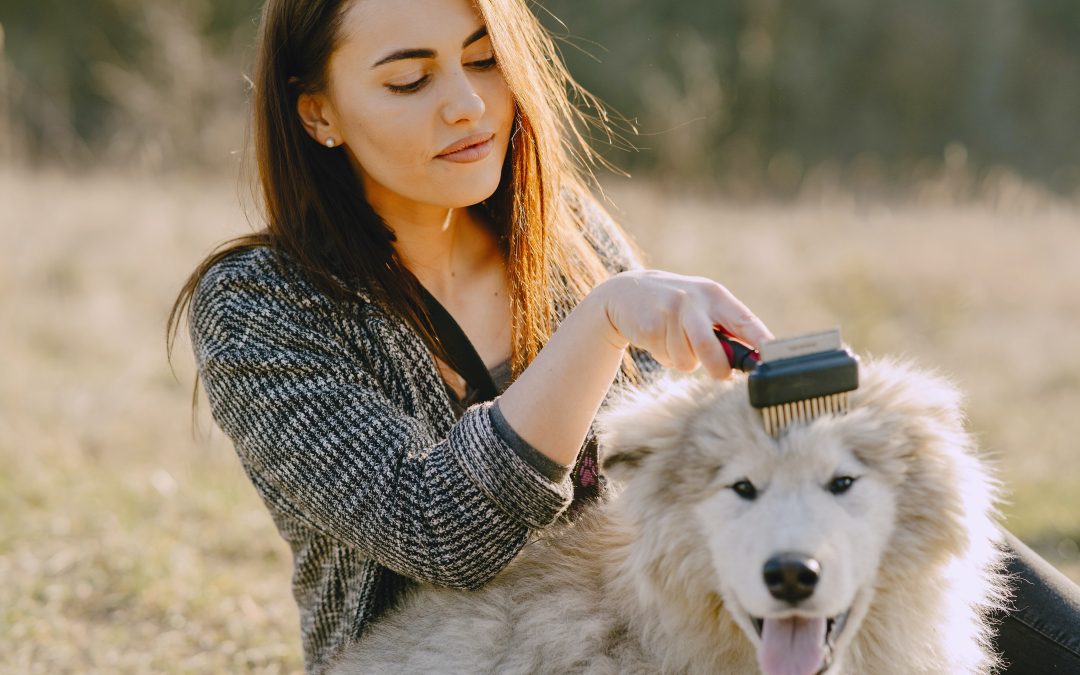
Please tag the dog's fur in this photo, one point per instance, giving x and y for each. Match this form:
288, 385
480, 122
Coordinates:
666, 576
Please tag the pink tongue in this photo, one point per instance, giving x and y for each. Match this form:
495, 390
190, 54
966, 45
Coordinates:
794, 646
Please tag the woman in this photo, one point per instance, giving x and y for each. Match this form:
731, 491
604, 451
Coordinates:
419, 155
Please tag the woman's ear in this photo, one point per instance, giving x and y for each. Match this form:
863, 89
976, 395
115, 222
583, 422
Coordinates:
317, 115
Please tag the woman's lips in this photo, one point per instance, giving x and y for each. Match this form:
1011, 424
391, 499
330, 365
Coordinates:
471, 153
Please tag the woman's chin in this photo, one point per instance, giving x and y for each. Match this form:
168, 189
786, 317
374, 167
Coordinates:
469, 194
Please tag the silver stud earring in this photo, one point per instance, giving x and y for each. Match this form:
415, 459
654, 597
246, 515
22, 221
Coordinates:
330, 142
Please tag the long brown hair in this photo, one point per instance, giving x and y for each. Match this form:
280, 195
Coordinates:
310, 194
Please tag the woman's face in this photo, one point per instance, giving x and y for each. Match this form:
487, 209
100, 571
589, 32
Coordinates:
409, 82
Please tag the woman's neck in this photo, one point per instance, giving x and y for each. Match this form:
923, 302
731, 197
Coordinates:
443, 247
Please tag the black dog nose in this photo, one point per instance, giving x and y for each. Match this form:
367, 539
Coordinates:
791, 577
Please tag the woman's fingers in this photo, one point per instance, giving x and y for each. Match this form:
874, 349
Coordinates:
709, 352
737, 319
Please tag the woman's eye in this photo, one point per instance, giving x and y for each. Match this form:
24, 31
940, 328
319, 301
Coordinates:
485, 64
840, 484
410, 87
745, 489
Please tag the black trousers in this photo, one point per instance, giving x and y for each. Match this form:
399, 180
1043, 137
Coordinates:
1041, 631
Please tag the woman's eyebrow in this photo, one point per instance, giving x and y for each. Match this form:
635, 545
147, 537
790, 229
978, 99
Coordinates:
403, 54
477, 34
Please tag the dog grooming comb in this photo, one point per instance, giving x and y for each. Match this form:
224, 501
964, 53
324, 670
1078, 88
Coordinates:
796, 379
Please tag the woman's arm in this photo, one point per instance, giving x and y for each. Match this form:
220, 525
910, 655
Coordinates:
324, 445
553, 402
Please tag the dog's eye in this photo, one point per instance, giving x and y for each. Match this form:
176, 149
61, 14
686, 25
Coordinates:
840, 484
745, 489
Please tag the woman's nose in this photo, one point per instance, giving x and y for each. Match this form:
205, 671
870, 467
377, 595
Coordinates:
463, 102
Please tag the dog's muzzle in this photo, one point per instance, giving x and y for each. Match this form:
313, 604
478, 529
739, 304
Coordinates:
795, 644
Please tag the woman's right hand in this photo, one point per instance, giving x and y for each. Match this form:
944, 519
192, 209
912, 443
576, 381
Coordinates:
672, 316
554, 400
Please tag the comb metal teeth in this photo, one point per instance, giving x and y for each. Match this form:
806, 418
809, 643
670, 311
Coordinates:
777, 418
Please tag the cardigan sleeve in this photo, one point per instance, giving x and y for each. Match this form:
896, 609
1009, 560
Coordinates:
328, 448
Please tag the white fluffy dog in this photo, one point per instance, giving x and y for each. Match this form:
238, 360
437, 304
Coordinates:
858, 543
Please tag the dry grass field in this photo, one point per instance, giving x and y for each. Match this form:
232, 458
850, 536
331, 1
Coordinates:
130, 544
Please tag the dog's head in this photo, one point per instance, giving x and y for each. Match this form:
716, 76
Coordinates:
796, 535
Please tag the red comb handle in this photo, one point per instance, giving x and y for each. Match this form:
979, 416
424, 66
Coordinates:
738, 355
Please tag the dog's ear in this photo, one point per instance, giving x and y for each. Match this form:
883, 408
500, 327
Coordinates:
913, 396
901, 414
622, 462
909, 424
641, 422
912, 428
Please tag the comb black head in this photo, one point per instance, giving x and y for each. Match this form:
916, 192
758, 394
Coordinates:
803, 377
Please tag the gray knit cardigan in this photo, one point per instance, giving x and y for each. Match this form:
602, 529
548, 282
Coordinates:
348, 433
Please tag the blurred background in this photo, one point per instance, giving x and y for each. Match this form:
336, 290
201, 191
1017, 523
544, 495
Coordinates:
908, 170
